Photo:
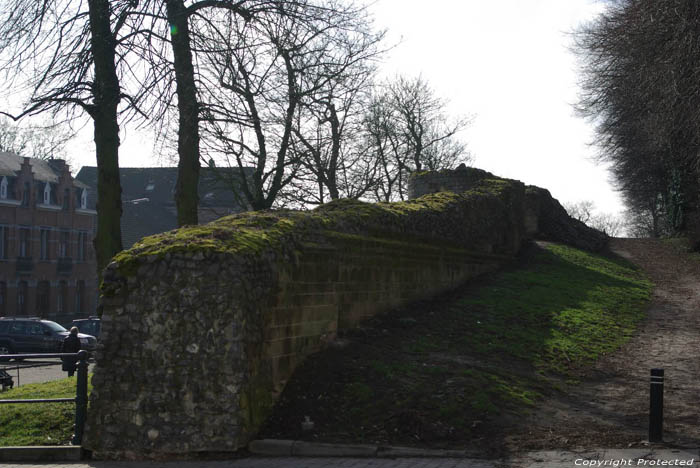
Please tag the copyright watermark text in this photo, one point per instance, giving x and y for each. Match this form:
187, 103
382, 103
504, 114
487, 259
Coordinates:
633, 462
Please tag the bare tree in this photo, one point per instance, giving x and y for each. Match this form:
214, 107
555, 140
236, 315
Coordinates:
409, 131
44, 140
640, 89
582, 210
328, 131
642, 223
609, 223
383, 140
278, 67
72, 50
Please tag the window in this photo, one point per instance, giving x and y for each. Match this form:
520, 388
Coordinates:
45, 235
3, 297
3, 188
82, 246
66, 199
22, 298
42, 298
62, 297
151, 186
83, 199
24, 242
18, 327
80, 296
47, 194
3, 242
63, 244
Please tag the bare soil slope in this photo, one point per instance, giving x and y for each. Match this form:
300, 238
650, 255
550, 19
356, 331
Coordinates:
609, 408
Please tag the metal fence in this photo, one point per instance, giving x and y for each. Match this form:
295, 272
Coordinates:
81, 394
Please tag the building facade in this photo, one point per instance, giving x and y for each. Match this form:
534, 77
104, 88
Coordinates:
148, 197
47, 262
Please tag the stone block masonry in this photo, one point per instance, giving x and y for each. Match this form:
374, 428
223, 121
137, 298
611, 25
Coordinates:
203, 326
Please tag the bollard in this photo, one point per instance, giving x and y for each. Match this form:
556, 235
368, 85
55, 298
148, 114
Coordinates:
656, 406
81, 398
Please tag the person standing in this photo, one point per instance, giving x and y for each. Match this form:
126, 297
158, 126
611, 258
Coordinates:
71, 344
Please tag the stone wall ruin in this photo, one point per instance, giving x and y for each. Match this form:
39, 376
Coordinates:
202, 326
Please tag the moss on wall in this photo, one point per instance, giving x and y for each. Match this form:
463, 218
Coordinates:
438, 216
203, 325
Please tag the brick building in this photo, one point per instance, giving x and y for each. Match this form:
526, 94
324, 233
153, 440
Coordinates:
47, 263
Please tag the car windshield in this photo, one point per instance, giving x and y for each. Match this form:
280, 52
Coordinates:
87, 326
54, 326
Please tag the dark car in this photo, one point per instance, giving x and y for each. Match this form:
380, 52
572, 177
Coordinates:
29, 335
89, 326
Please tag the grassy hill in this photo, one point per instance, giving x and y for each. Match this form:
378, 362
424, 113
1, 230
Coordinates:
456, 370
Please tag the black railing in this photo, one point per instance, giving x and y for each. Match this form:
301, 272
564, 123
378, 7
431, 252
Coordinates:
81, 396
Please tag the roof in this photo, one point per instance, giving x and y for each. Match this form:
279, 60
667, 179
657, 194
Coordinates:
148, 197
44, 170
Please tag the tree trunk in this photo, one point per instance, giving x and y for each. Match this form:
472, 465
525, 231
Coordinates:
332, 177
186, 197
106, 92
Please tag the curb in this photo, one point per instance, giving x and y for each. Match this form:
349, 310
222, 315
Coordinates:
41, 453
297, 448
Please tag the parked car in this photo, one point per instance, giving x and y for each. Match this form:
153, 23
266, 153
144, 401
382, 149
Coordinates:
28, 335
90, 326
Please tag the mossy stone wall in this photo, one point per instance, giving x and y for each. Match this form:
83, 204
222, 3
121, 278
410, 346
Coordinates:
202, 326
543, 217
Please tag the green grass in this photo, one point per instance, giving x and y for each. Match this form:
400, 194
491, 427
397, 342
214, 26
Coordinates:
436, 372
38, 423
566, 309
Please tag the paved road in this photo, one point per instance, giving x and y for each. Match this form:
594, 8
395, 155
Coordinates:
35, 371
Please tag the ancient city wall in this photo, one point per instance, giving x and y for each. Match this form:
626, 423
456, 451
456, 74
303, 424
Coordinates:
203, 326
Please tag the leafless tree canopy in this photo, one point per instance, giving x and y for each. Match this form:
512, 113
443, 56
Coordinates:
72, 57
44, 140
283, 90
407, 129
641, 90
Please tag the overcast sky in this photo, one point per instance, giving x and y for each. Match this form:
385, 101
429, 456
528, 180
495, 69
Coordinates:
505, 62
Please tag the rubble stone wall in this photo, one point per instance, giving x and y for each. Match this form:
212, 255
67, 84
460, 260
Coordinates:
203, 326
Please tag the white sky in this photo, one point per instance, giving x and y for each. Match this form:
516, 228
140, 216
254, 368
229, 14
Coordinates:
506, 62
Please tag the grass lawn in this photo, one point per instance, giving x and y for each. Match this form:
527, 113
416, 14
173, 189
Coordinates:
38, 423
440, 372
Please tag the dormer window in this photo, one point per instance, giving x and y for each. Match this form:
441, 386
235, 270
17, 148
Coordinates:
47, 194
3, 188
83, 199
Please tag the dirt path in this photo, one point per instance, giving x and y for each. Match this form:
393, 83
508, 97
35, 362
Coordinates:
609, 408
